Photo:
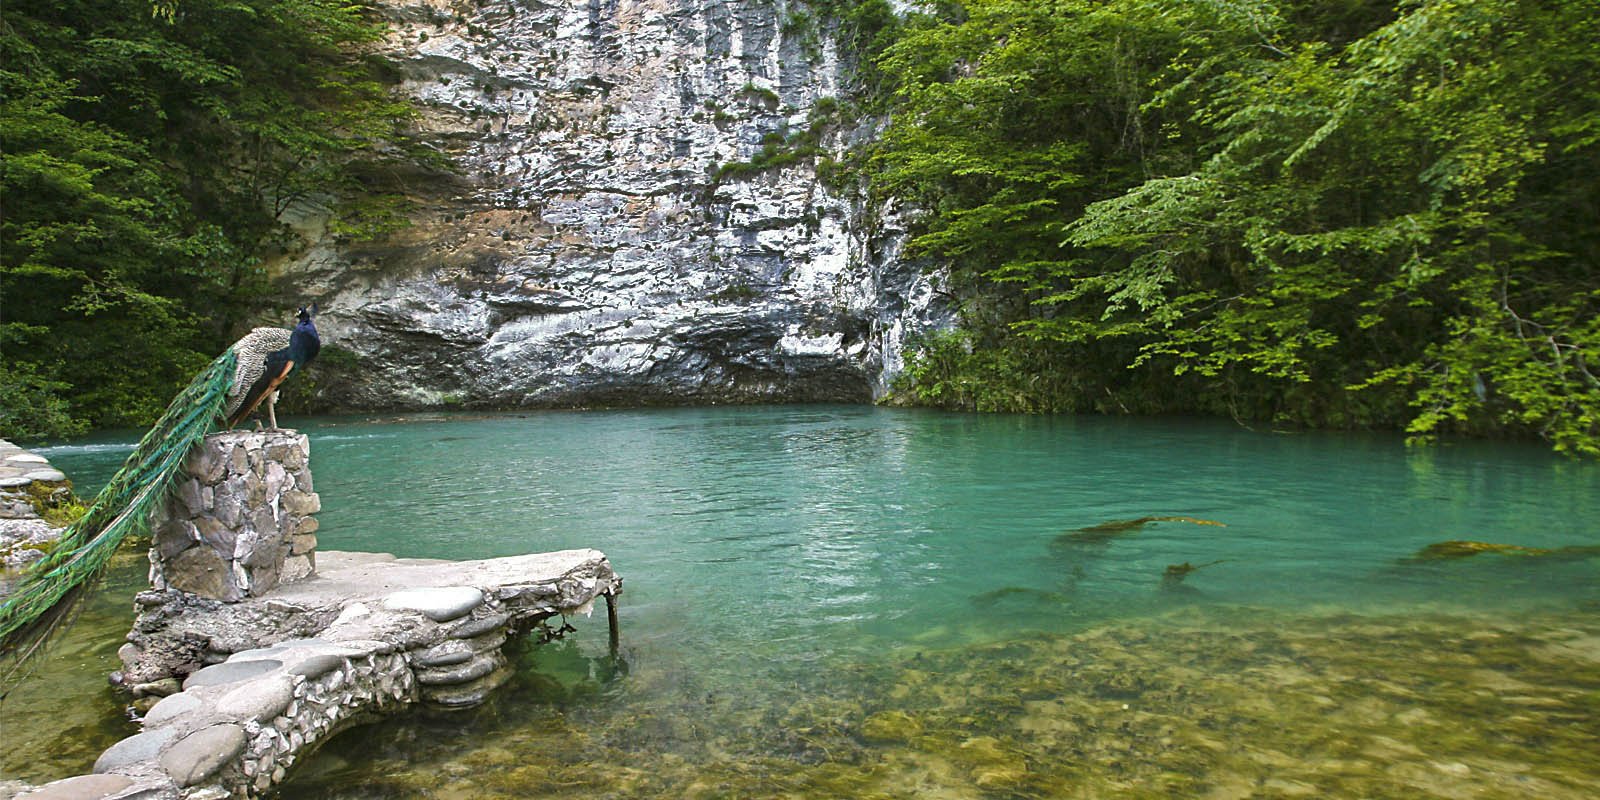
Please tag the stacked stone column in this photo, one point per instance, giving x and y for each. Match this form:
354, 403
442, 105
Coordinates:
239, 521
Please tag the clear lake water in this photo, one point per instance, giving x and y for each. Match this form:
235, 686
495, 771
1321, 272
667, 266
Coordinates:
840, 601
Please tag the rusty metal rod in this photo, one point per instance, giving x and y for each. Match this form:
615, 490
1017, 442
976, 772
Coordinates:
611, 620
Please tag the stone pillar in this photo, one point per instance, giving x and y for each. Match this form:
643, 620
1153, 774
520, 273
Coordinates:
238, 521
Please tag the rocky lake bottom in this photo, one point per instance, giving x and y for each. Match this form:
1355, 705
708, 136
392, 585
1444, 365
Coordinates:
1196, 702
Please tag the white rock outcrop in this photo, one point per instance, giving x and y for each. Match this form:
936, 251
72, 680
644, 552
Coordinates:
585, 251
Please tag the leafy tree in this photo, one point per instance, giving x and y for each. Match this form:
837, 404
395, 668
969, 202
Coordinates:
1322, 214
150, 152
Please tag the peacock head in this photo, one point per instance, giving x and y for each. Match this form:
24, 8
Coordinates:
307, 312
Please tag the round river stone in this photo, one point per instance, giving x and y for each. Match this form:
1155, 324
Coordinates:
134, 749
230, 671
440, 604
202, 753
171, 707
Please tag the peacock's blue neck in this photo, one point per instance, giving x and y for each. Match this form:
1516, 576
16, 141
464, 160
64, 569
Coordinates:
304, 343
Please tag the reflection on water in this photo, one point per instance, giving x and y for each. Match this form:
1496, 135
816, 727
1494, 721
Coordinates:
56, 722
852, 602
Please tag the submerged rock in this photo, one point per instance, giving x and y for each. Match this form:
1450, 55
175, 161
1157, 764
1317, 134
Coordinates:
1465, 549
890, 726
1458, 548
1106, 531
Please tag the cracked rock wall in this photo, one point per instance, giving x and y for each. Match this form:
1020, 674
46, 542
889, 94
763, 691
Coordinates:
584, 252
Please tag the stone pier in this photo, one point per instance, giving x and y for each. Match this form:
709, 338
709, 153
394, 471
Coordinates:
251, 648
239, 520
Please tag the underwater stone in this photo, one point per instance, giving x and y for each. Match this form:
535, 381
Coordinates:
202, 753
890, 726
162, 688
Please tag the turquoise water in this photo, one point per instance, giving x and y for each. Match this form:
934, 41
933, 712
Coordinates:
777, 558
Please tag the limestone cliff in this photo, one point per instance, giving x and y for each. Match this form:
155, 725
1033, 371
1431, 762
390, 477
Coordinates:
590, 247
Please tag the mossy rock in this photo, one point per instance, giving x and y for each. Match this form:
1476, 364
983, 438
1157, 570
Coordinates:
994, 766
54, 502
1457, 548
888, 727
1460, 548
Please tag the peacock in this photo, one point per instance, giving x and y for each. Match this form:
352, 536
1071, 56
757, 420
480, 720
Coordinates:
246, 375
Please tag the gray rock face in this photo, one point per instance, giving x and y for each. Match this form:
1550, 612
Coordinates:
586, 251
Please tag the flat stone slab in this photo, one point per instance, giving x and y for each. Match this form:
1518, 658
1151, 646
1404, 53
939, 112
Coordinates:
82, 787
440, 604
344, 578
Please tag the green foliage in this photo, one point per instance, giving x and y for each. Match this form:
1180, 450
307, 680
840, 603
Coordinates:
737, 292
32, 407
1322, 214
149, 153
779, 149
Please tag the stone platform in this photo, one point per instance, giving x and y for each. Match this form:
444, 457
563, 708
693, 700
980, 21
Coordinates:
266, 679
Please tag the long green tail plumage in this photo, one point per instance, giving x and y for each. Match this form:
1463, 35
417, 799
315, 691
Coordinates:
53, 585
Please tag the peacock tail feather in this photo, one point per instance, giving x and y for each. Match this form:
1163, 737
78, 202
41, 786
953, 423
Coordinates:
52, 586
